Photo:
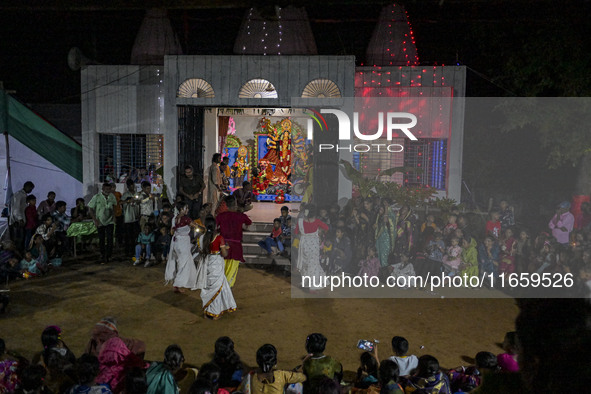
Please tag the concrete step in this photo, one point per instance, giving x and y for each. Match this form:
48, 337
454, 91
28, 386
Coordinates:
261, 227
265, 260
252, 248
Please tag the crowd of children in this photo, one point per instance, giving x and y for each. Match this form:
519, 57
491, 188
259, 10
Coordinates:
545, 353
114, 364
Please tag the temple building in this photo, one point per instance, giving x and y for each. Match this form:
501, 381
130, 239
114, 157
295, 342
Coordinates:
166, 110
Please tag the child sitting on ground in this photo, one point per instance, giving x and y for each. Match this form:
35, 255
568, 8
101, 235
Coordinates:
273, 241
144, 244
406, 364
508, 361
367, 374
452, 258
370, 266
402, 267
39, 252
28, 266
9, 258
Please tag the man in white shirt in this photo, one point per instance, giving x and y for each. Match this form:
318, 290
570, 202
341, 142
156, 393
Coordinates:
406, 364
131, 216
17, 219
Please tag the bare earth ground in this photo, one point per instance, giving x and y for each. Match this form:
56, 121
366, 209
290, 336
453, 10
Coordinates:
79, 294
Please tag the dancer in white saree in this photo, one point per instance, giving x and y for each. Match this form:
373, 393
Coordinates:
309, 247
216, 293
181, 266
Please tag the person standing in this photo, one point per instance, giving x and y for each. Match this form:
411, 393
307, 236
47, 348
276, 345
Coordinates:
63, 222
231, 223
308, 262
131, 215
191, 187
180, 267
102, 211
148, 204
46, 206
118, 213
216, 294
562, 223
214, 182
17, 219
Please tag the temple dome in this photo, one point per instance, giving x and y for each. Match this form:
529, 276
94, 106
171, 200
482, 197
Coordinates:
285, 31
155, 39
392, 42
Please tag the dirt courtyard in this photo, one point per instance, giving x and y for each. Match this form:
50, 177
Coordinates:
79, 294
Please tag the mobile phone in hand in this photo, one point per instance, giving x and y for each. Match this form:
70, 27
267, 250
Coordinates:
366, 345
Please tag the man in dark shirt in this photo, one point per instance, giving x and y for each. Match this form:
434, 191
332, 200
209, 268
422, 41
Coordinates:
191, 188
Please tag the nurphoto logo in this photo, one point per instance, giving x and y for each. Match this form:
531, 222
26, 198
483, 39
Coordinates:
394, 121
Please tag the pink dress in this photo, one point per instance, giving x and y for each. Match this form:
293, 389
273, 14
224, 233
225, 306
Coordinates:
116, 360
507, 362
452, 258
370, 267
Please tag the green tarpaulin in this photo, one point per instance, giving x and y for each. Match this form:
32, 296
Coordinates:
40, 136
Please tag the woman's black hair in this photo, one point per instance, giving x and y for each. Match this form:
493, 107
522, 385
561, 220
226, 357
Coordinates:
32, 377
267, 357
180, 205
315, 343
388, 371
211, 373
50, 337
224, 348
228, 360
428, 366
56, 359
326, 385
230, 201
312, 212
2, 346
201, 386
210, 226
87, 368
173, 357
486, 360
135, 381
370, 364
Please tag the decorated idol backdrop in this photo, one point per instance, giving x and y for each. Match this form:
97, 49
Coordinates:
263, 149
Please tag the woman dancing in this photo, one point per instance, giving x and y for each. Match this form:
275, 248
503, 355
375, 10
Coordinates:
216, 293
180, 266
309, 248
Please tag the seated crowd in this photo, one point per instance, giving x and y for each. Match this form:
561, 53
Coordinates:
375, 236
530, 362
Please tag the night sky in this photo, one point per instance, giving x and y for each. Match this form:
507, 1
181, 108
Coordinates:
35, 41
487, 36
